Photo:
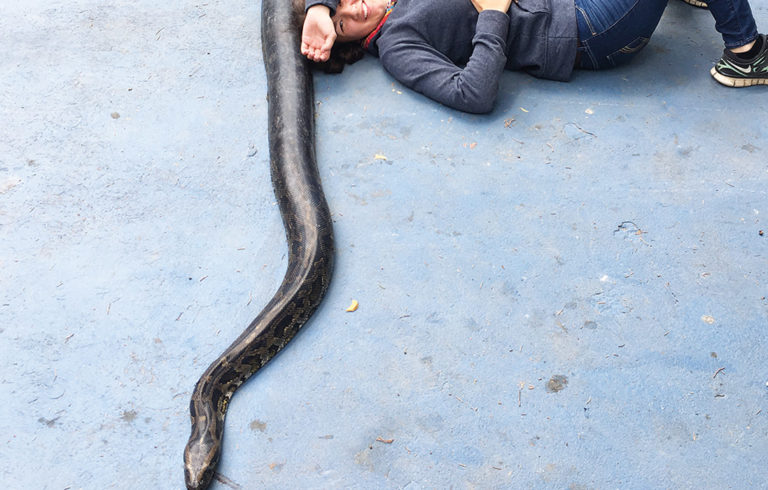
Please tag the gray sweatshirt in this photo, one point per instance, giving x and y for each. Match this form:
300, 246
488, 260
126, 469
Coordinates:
447, 51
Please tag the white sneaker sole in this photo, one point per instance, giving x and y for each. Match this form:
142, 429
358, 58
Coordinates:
737, 82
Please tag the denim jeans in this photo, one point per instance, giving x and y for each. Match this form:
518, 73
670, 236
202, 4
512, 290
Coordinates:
612, 32
734, 20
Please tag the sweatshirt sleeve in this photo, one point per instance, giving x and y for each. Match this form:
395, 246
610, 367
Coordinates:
472, 88
331, 4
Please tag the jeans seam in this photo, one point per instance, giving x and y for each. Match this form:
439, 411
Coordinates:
740, 43
592, 60
627, 50
592, 29
586, 19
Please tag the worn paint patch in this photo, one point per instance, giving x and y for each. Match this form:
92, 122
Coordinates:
129, 415
9, 183
557, 383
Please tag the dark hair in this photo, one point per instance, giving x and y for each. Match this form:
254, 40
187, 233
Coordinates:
341, 53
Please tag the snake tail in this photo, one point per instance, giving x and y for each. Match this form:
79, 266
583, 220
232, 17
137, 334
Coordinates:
308, 229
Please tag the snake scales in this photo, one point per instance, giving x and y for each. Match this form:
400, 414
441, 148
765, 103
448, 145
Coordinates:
308, 229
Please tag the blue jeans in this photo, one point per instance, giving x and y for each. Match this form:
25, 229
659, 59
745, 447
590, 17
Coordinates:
612, 32
734, 20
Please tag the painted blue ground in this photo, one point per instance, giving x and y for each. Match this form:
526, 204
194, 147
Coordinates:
548, 294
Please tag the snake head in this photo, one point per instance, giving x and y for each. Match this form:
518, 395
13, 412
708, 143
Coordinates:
204, 446
207, 410
200, 459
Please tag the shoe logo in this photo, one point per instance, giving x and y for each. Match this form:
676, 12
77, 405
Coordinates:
739, 70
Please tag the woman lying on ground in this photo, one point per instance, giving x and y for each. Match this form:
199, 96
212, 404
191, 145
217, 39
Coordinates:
454, 51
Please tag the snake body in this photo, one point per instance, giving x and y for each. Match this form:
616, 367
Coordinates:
308, 230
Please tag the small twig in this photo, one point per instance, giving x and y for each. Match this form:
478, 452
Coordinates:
718, 372
226, 481
385, 441
582, 130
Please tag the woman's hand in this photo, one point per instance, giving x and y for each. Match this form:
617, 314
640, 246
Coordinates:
500, 5
318, 34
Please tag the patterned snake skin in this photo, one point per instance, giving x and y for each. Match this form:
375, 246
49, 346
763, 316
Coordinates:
310, 242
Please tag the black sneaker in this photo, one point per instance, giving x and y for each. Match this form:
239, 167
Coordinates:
696, 3
736, 72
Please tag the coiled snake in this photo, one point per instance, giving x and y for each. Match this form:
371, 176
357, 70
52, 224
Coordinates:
308, 230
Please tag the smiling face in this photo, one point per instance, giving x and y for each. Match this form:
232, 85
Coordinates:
355, 19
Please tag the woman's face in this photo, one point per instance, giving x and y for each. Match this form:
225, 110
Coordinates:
355, 19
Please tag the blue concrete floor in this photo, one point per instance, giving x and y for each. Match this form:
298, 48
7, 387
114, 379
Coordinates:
569, 292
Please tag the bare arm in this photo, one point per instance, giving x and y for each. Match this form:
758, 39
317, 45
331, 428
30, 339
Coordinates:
318, 34
500, 5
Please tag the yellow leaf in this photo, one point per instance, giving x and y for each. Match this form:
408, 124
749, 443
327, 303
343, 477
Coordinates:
353, 306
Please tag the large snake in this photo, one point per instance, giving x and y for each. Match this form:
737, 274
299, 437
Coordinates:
308, 229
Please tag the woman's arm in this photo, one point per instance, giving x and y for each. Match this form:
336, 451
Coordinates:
318, 33
331, 4
470, 89
501, 5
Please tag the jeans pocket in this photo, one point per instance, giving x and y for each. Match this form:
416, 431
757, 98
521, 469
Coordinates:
623, 55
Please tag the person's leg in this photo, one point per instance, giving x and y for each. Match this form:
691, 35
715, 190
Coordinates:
612, 32
745, 59
734, 21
